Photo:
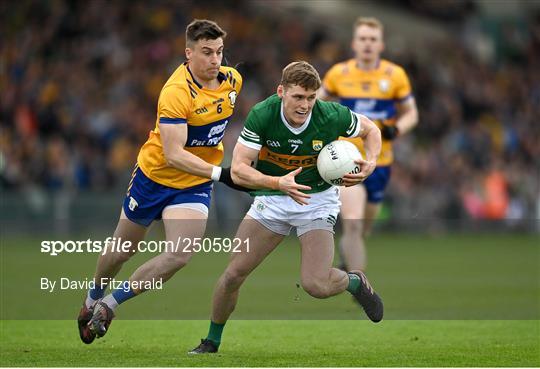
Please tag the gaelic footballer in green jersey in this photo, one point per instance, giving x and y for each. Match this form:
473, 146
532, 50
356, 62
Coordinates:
283, 148
284, 134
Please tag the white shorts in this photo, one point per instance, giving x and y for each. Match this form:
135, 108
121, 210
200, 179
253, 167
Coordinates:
280, 213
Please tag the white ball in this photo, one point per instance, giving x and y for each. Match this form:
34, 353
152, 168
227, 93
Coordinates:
337, 159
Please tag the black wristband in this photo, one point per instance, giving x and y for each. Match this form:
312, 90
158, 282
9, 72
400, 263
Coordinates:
389, 132
226, 179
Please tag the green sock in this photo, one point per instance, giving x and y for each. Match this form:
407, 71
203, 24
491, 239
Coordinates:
354, 283
214, 333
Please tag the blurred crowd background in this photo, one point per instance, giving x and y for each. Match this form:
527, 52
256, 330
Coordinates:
80, 81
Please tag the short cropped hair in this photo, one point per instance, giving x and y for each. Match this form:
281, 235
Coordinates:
203, 29
301, 73
368, 21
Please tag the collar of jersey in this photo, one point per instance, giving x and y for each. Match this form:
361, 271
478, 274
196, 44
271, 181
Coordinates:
295, 130
221, 77
377, 66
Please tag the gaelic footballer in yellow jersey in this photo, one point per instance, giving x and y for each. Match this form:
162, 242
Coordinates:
380, 90
173, 177
373, 93
206, 112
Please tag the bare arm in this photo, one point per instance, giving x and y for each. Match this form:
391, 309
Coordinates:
245, 175
173, 139
371, 135
407, 115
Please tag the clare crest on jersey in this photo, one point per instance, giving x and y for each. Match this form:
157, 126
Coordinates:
232, 98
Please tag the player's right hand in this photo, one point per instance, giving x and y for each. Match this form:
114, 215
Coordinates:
288, 185
366, 168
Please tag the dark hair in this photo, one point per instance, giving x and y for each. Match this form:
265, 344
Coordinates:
301, 73
203, 29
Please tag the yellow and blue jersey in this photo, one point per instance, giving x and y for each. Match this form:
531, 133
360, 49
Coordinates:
206, 112
373, 93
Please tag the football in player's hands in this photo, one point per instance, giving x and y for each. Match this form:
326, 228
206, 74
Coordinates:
389, 132
337, 159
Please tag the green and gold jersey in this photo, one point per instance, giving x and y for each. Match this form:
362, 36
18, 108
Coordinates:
283, 148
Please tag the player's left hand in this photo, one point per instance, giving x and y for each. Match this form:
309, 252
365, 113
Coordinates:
366, 168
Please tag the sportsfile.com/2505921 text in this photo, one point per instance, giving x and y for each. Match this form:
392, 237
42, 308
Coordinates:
114, 244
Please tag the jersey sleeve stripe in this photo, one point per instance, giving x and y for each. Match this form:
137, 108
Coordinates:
250, 132
251, 139
355, 126
249, 135
249, 144
164, 120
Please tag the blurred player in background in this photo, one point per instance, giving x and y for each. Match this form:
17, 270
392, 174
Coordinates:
173, 176
380, 90
285, 134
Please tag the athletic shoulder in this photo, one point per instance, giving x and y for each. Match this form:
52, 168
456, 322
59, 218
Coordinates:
399, 78
231, 72
264, 112
259, 119
341, 68
330, 109
268, 106
334, 74
337, 115
233, 77
178, 78
392, 69
176, 96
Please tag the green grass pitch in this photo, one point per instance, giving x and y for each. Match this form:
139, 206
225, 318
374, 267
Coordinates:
461, 300
277, 343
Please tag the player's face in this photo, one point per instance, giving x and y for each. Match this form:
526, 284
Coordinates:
205, 58
297, 103
367, 43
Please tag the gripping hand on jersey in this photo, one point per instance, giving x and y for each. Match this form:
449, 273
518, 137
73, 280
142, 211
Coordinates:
287, 184
366, 168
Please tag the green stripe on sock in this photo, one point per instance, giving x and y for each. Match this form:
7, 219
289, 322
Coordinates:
215, 332
354, 283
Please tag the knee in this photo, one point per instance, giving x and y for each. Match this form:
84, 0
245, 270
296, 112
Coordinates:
177, 261
366, 230
317, 288
120, 258
234, 277
353, 226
